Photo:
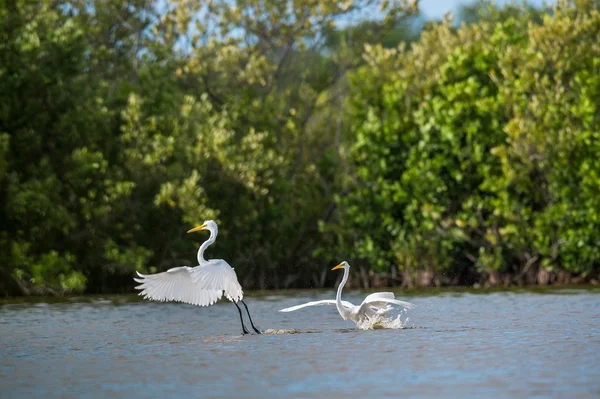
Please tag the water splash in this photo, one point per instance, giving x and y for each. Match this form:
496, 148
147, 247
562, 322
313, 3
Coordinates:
280, 331
382, 322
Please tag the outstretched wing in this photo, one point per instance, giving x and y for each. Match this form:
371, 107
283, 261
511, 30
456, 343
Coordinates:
382, 299
316, 303
176, 285
376, 295
218, 275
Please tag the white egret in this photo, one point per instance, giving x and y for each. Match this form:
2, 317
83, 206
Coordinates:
371, 309
202, 285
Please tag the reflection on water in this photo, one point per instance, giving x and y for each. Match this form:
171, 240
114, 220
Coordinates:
497, 345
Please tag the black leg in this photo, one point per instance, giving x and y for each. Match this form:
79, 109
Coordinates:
241, 319
252, 324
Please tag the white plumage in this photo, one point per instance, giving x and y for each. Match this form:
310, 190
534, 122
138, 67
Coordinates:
374, 305
190, 285
217, 274
202, 285
316, 303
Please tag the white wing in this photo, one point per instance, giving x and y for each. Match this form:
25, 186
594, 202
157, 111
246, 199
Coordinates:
381, 299
377, 295
317, 303
218, 275
176, 284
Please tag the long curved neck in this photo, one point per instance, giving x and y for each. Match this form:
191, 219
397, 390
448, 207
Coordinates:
338, 299
205, 244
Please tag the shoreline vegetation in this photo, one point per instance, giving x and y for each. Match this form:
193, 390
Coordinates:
118, 299
461, 152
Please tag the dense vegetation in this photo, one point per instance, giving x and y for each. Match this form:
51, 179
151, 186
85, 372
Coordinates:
464, 155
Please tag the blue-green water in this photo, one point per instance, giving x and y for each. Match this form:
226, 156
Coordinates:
496, 345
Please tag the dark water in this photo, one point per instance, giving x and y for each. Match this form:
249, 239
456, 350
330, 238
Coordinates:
496, 345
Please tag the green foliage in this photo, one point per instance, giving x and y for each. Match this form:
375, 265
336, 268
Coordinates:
63, 196
124, 123
474, 149
48, 272
464, 152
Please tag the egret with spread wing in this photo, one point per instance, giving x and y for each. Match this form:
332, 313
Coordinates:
202, 285
374, 306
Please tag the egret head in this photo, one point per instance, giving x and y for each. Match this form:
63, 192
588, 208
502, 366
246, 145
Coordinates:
209, 225
343, 265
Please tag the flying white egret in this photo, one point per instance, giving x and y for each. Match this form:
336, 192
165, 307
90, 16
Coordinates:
202, 285
374, 305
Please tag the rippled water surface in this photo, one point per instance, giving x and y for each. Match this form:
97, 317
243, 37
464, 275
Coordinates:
455, 345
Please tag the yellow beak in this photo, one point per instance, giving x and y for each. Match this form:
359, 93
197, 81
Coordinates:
196, 228
338, 266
